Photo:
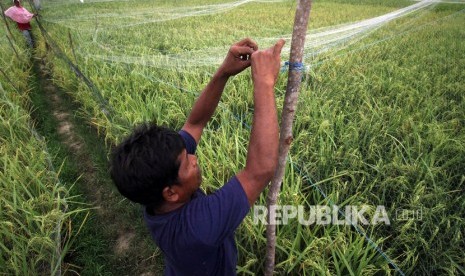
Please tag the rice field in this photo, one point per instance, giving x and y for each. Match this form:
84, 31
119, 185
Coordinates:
35, 220
380, 119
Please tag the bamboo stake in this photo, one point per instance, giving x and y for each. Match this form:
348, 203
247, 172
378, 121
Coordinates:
72, 46
13, 47
290, 105
6, 21
9, 80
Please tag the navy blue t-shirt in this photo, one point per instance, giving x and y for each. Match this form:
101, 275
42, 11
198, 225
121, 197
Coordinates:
198, 238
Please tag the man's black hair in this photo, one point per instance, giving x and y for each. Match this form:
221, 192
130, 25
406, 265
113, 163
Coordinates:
146, 162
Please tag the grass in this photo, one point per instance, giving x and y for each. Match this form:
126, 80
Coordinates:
379, 122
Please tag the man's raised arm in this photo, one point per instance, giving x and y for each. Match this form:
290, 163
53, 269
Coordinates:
262, 155
207, 102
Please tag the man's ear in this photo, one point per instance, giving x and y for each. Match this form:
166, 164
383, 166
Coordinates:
170, 194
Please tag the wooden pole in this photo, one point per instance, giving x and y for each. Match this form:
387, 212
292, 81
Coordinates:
8, 80
290, 104
2, 9
72, 46
13, 47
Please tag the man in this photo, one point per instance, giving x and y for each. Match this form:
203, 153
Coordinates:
22, 17
156, 167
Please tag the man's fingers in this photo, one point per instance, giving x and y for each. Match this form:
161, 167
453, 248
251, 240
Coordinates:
242, 52
237, 50
248, 42
278, 47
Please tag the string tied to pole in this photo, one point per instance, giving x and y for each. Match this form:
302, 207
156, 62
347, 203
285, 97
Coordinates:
293, 66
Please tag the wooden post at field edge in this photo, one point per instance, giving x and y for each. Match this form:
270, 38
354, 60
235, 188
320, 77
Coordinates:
290, 104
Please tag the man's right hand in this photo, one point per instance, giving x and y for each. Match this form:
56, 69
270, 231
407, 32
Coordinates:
266, 64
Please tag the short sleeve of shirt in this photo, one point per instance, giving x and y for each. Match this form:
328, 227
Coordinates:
215, 217
198, 238
189, 141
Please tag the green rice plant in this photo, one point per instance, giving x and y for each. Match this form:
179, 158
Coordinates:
380, 120
35, 221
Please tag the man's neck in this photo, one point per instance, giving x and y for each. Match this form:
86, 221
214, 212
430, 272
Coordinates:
167, 207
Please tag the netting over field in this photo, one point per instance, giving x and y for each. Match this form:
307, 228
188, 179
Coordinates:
317, 41
382, 126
